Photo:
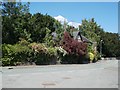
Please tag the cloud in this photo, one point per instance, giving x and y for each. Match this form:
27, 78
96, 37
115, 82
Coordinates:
63, 19
74, 24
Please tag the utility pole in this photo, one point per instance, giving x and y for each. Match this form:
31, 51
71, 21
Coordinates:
101, 48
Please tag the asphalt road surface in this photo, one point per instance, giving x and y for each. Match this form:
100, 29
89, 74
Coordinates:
103, 74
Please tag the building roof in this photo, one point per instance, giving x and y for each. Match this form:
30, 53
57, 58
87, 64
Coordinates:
76, 35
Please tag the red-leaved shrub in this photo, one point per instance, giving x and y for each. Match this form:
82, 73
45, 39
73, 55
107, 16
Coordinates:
73, 46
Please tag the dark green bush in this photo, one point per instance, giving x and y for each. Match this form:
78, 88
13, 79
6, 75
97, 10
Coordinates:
74, 59
66, 58
52, 55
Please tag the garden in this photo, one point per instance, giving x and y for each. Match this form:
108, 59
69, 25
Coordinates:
28, 39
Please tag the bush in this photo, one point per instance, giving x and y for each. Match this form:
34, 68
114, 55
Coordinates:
52, 55
91, 56
24, 53
66, 58
73, 46
60, 54
97, 57
40, 53
7, 55
44, 55
75, 50
38, 47
61, 51
7, 61
92, 53
52, 51
74, 59
12, 54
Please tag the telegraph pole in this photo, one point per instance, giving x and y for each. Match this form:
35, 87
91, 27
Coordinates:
101, 48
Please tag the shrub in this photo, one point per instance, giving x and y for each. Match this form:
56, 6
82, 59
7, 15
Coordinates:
60, 50
22, 53
74, 59
40, 53
61, 53
52, 51
23, 42
38, 47
73, 46
52, 55
44, 55
7, 61
6, 50
76, 51
12, 54
97, 57
91, 56
7, 55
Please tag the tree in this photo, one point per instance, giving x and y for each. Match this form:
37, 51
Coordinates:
59, 30
48, 38
111, 45
14, 8
13, 14
94, 32
90, 30
39, 23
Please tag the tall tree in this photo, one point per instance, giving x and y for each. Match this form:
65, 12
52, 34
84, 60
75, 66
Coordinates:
89, 29
14, 8
12, 14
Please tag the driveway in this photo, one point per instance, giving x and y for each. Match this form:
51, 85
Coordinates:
103, 74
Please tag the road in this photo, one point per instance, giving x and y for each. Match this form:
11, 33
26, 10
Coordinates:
103, 74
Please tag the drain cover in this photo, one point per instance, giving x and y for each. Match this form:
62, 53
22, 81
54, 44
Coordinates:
48, 84
66, 78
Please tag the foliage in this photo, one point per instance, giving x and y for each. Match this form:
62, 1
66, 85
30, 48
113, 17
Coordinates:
14, 8
59, 30
42, 26
91, 56
94, 32
74, 59
110, 45
48, 40
42, 54
38, 47
90, 29
73, 46
61, 53
14, 15
23, 35
97, 57
60, 50
15, 53
90, 49
52, 51
19, 23
72, 51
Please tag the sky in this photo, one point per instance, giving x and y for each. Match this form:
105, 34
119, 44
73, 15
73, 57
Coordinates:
104, 13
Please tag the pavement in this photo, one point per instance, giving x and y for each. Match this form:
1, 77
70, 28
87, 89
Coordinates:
103, 74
